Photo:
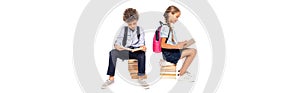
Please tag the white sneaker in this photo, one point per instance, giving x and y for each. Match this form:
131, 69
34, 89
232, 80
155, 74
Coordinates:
143, 83
107, 83
187, 76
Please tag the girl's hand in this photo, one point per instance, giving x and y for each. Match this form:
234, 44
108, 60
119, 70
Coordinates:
180, 45
185, 41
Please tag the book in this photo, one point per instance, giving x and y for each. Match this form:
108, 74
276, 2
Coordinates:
189, 43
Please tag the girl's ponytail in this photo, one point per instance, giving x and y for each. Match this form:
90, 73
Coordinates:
171, 9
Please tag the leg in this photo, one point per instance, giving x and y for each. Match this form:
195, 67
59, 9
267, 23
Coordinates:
189, 54
113, 55
141, 57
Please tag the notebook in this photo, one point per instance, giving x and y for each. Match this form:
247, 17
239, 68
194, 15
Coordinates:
189, 43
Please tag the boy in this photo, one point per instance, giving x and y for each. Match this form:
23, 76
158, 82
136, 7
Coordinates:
130, 44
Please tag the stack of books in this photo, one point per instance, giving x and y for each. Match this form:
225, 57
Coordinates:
167, 70
133, 69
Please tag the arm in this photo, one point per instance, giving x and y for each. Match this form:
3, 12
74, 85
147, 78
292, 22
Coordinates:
120, 48
118, 42
164, 35
142, 48
179, 45
141, 42
142, 37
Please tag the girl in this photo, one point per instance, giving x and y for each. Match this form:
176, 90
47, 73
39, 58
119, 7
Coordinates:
171, 49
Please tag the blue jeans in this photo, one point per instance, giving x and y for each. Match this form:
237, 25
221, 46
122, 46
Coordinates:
124, 54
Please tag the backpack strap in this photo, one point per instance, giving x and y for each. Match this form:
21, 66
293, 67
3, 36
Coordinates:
161, 23
160, 27
125, 36
157, 32
168, 37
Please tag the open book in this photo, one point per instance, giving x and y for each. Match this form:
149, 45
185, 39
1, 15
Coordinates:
136, 49
189, 43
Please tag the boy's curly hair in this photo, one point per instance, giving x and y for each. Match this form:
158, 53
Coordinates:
130, 14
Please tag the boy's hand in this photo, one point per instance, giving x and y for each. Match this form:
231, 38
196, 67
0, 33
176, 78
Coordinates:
129, 49
143, 48
133, 50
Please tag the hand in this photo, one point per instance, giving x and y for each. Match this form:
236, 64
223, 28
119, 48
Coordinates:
185, 41
180, 45
128, 49
120, 48
143, 48
134, 50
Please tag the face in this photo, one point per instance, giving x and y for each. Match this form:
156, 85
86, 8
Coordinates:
174, 18
132, 24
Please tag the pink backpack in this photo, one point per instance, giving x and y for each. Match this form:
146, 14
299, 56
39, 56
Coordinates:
156, 40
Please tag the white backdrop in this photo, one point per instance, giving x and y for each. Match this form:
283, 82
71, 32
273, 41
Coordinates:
262, 42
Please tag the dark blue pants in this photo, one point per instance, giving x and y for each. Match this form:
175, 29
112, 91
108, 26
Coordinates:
124, 54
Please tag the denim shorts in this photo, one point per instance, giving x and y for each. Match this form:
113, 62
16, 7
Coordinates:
171, 55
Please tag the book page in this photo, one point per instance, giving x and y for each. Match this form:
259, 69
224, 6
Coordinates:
189, 43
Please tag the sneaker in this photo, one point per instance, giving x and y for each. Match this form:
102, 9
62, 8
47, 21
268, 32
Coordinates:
187, 76
107, 83
143, 83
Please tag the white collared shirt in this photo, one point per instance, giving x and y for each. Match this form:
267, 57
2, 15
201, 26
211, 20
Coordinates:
132, 39
164, 34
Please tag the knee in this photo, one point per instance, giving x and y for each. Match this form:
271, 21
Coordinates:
142, 53
113, 52
194, 51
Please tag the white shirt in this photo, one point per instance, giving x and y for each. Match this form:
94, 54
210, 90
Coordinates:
132, 39
164, 34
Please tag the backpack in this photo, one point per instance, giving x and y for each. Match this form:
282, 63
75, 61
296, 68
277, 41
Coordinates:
156, 47
126, 32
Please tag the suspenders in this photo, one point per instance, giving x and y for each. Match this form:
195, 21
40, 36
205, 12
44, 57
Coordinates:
126, 33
